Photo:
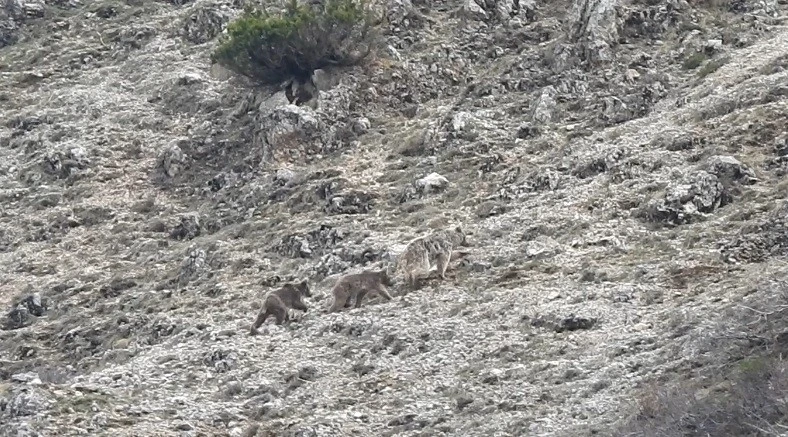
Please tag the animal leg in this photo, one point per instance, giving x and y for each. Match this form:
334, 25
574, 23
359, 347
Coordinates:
384, 292
261, 316
300, 305
442, 262
281, 315
359, 298
340, 301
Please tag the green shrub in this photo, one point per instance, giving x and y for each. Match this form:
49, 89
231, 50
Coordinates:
271, 48
694, 61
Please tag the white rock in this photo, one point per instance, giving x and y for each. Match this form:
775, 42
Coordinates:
433, 182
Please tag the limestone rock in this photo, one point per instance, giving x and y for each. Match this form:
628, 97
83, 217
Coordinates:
432, 183
470, 9
726, 167
289, 133
545, 106
688, 200
204, 23
188, 228
172, 159
594, 28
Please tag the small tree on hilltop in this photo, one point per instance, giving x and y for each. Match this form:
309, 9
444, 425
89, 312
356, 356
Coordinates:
272, 48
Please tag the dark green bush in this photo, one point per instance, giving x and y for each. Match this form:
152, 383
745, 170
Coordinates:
271, 48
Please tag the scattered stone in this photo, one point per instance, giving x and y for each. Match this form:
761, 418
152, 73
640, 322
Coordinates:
543, 109
116, 286
8, 32
350, 202
65, 164
528, 130
463, 401
314, 243
192, 265
464, 125
204, 23
26, 401
687, 201
22, 10
574, 323
471, 10
594, 27
188, 228
728, 168
432, 183
570, 323
401, 15
288, 133
764, 240
542, 247
173, 159
24, 312
184, 426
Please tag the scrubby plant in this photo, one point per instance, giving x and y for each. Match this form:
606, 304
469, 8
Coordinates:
694, 61
273, 47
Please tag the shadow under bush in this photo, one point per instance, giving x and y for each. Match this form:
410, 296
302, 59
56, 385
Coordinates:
271, 48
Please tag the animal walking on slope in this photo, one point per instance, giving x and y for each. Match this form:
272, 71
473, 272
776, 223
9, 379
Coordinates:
357, 285
435, 249
278, 302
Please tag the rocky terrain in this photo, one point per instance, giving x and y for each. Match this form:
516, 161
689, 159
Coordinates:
620, 165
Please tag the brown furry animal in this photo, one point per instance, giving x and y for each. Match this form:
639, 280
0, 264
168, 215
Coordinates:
357, 285
278, 302
435, 249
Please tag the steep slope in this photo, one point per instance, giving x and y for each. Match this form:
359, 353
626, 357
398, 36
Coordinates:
620, 165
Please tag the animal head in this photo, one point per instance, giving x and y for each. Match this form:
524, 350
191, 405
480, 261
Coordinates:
303, 288
385, 278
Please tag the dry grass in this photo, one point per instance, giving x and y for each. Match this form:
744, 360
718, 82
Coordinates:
744, 395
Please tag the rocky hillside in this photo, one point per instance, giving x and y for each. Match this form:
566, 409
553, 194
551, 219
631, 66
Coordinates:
620, 163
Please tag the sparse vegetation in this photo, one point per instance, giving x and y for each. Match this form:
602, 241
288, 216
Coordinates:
710, 67
746, 398
694, 61
748, 401
271, 48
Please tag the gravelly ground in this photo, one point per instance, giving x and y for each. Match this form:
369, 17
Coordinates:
617, 236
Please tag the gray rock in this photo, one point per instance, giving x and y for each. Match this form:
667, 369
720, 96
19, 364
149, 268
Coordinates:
288, 133
594, 28
688, 200
432, 183
313, 243
188, 228
325, 79
545, 106
361, 125
8, 31
24, 312
471, 10
22, 10
66, 164
193, 265
173, 160
285, 177
766, 239
26, 378
501, 10
729, 168
204, 23
26, 402
528, 130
